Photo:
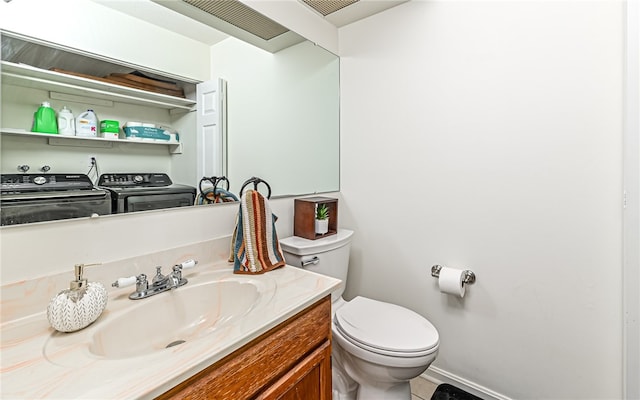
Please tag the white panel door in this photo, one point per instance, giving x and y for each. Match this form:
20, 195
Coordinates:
211, 128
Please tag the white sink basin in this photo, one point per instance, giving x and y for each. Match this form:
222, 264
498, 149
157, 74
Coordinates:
173, 317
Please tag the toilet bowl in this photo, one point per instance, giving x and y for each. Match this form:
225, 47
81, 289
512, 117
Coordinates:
378, 347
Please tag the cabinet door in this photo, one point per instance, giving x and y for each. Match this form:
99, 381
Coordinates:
295, 356
211, 128
309, 380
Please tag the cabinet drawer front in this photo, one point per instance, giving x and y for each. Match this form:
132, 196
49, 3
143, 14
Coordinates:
309, 380
247, 371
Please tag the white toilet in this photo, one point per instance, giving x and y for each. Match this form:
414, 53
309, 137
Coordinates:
378, 347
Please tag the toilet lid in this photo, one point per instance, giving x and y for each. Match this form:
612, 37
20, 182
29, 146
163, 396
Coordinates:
384, 326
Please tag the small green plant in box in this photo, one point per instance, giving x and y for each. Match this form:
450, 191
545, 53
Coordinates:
322, 219
322, 212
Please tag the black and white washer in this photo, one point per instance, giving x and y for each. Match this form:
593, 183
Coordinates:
131, 192
26, 198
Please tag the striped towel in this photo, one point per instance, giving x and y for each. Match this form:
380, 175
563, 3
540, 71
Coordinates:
255, 248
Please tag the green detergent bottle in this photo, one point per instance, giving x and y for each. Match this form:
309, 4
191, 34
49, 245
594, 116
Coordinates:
44, 120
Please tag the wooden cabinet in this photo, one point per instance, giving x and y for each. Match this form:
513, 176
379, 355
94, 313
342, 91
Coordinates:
304, 216
291, 361
306, 381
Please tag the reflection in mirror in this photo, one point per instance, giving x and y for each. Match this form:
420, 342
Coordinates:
282, 123
282, 115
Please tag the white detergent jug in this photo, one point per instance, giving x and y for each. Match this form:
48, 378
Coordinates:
87, 124
66, 122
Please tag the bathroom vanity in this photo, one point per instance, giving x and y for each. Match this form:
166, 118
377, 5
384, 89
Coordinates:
292, 360
265, 336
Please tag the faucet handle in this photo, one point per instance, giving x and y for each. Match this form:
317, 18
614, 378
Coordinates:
140, 281
124, 282
177, 271
158, 277
187, 264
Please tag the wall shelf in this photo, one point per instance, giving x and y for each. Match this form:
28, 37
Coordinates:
27, 76
305, 215
79, 141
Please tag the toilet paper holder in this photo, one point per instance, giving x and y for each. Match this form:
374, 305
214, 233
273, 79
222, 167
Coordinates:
468, 276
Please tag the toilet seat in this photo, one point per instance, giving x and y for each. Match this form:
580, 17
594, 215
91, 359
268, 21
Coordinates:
386, 329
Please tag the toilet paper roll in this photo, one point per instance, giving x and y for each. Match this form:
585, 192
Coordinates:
451, 281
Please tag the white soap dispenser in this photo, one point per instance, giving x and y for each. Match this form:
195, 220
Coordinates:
77, 307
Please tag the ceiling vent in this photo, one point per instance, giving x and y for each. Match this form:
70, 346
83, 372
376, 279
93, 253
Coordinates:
326, 7
241, 16
238, 20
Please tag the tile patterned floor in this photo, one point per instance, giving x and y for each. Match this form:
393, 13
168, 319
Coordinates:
422, 389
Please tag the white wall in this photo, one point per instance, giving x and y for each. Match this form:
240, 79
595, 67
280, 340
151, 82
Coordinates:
488, 135
631, 271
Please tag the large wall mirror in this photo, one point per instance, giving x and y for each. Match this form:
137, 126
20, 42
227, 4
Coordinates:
282, 115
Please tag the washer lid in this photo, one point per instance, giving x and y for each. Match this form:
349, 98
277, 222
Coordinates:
386, 326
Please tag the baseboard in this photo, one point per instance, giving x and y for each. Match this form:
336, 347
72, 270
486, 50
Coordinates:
438, 376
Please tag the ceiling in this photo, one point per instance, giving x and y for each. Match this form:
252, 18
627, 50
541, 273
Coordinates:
346, 12
353, 11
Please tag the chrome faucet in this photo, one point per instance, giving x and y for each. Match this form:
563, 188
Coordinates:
160, 283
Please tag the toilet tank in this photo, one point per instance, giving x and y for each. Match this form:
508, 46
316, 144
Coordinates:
327, 256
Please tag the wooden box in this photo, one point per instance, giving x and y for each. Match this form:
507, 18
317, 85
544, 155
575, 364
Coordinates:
304, 218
